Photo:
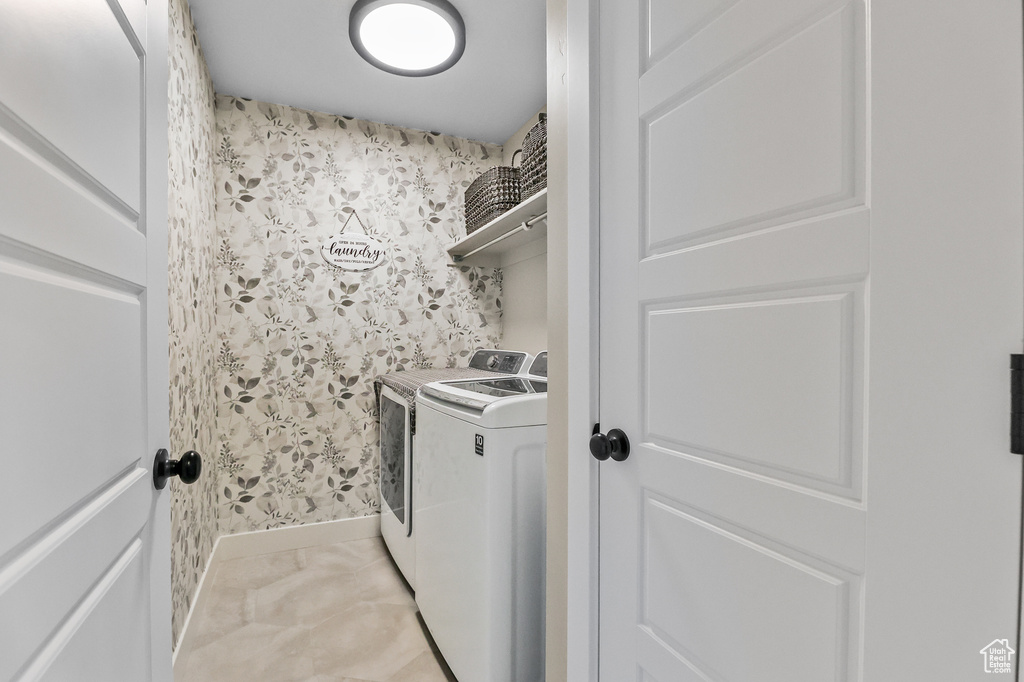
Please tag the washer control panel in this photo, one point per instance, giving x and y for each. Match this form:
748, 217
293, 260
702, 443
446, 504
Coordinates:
500, 361
539, 368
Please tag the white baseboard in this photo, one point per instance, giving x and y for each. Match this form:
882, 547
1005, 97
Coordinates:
296, 537
260, 542
185, 639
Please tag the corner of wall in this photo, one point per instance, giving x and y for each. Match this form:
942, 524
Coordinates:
192, 249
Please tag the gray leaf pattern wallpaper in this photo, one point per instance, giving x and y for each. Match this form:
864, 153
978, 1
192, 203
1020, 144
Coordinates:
299, 340
192, 244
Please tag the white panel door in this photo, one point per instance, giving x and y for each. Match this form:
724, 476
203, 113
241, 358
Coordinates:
812, 266
84, 549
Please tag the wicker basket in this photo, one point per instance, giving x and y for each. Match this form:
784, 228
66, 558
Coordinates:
497, 190
535, 158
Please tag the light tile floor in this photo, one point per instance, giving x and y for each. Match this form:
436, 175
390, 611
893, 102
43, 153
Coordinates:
335, 613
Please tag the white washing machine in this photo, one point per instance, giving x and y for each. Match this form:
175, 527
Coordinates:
396, 400
479, 490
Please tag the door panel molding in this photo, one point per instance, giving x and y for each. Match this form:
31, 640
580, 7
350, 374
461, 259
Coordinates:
806, 510
776, 119
80, 82
101, 653
818, 251
777, 576
38, 582
22, 139
107, 414
131, 15
694, 19
749, 30
829, 461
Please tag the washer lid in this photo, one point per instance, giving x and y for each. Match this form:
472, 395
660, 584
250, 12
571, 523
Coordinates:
501, 402
501, 388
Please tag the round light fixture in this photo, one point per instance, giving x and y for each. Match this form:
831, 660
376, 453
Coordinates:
408, 37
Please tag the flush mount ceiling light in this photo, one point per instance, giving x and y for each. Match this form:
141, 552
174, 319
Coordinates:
408, 37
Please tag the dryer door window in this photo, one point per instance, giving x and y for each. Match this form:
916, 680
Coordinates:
394, 453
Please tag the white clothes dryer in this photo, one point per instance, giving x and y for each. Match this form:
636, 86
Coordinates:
479, 490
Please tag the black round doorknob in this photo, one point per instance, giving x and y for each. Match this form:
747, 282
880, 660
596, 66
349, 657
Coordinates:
187, 468
614, 445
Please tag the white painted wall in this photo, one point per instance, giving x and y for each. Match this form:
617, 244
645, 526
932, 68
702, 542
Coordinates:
524, 292
524, 318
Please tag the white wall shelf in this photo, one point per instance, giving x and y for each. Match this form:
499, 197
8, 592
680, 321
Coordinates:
523, 224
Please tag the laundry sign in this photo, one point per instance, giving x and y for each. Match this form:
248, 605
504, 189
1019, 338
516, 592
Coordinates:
353, 251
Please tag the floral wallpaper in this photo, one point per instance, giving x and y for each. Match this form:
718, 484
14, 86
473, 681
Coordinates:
300, 341
192, 242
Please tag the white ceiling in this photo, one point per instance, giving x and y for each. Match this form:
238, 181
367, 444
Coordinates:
297, 52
